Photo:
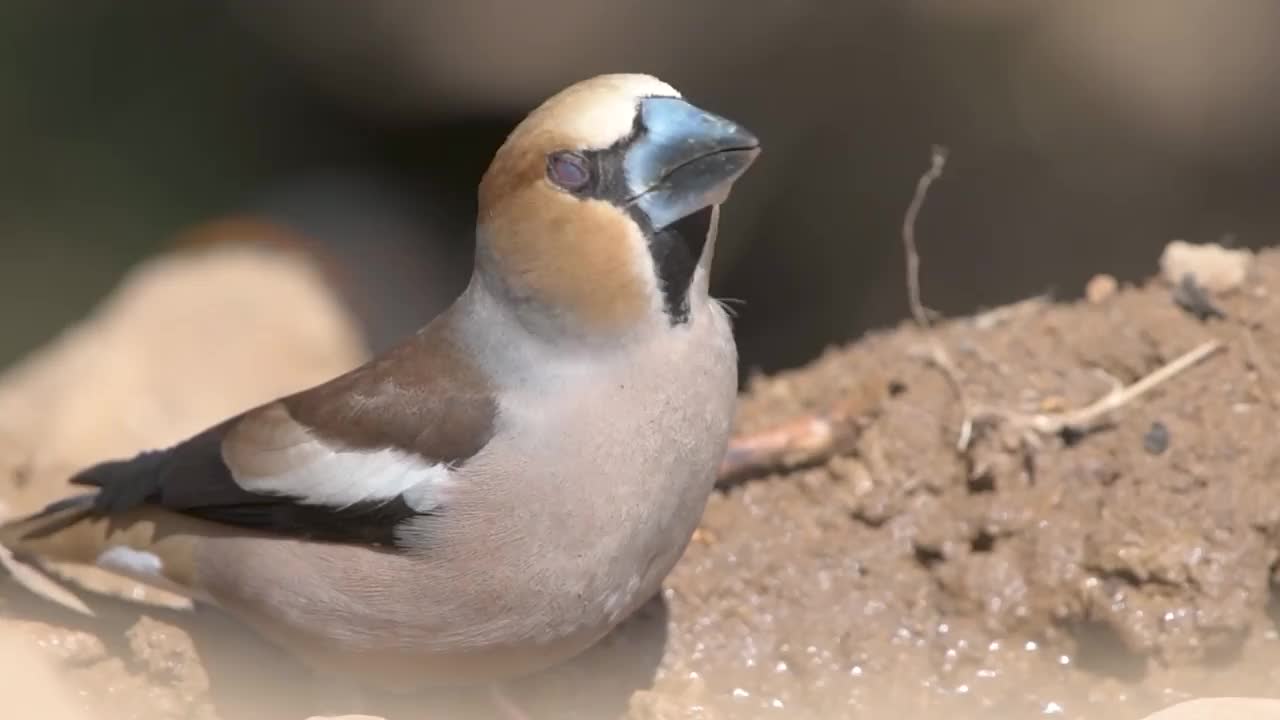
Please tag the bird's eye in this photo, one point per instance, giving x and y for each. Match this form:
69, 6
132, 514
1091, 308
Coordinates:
568, 170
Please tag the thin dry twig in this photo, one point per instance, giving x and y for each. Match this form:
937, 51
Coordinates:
778, 447
938, 162
937, 357
801, 442
1092, 415
1081, 420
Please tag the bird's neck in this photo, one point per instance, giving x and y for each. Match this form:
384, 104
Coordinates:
510, 336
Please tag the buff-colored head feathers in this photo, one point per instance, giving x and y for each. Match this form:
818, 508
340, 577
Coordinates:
598, 210
580, 257
588, 115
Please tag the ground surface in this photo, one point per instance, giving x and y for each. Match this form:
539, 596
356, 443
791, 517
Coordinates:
1103, 576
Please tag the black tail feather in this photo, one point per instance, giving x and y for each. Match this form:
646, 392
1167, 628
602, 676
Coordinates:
123, 484
60, 515
30, 572
55, 516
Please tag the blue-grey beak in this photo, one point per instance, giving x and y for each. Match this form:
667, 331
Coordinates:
687, 159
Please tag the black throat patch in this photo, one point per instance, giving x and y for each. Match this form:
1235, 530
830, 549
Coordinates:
676, 250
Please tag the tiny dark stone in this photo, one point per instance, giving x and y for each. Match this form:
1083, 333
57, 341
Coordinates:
896, 388
928, 556
1156, 441
983, 542
983, 483
1071, 436
1190, 296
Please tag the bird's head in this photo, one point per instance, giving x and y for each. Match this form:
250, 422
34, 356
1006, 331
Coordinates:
599, 211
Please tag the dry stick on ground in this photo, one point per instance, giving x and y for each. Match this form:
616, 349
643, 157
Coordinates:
1094, 414
1082, 420
936, 166
801, 442
936, 356
812, 439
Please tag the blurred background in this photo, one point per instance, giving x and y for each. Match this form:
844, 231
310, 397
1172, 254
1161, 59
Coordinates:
1083, 137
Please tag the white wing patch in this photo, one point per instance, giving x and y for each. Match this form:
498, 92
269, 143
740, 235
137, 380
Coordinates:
316, 474
272, 454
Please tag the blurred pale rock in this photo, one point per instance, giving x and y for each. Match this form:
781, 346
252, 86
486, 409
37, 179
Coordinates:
29, 685
1222, 709
1100, 288
185, 341
685, 701
1216, 269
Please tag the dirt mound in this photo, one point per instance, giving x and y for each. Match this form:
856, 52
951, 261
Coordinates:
1100, 572
1080, 574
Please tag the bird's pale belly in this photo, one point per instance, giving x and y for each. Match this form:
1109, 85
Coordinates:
542, 604
583, 519
496, 627
650, 477
397, 640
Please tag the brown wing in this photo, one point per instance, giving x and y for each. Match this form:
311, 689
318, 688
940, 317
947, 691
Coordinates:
344, 461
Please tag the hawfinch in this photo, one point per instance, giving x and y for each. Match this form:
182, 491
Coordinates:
496, 492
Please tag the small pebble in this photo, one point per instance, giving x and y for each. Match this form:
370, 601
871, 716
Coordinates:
1190, 296
1156, 441
1100, 288
1216, 269
1053, 404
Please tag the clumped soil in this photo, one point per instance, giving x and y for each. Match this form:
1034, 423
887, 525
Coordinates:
1096, 576
1100, 576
